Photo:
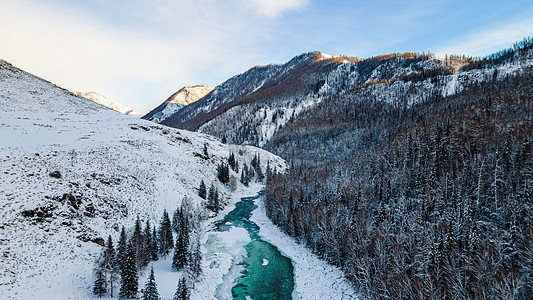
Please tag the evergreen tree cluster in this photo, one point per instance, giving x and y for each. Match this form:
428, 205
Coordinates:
135, 252
223, 173
427, 201
256, 165
213, 199
233, 162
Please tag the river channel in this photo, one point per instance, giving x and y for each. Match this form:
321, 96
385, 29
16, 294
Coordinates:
263, 273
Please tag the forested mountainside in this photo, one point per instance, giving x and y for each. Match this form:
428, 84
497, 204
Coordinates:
260, 83
255, 117
419, 188
74, 172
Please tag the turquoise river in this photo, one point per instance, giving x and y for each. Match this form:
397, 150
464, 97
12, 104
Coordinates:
266, 274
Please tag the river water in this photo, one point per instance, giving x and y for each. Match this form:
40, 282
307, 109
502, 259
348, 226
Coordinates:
263, 272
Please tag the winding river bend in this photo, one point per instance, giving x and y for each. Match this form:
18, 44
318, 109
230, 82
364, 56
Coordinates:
263, 272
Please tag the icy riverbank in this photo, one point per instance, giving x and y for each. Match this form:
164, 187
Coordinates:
314, 278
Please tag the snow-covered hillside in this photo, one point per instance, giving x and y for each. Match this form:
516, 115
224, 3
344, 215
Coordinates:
102, 100
258, 78
185, 96
256, 118
73, 172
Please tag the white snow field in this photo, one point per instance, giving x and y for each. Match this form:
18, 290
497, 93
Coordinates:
73, 172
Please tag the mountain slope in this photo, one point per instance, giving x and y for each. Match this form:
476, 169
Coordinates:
251, 107
73, 172
102, 100
241, 87
177, 101
416, 187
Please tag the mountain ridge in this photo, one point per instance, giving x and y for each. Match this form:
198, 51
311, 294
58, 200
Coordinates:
183, 97
102, 100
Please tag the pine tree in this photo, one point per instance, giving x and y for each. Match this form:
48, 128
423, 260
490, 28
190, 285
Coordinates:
213, 202
147, 245
182, 292
223, 173
175, 220
181, 251
195, 260
150, 288
202, 190
128, 275
165, 234
256, 165
216, 202
154, 251
269, 173
232, 162
138, 243
99, 284
244, 175
110, 263
122, 247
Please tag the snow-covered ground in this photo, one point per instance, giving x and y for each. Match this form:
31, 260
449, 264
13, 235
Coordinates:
73, 172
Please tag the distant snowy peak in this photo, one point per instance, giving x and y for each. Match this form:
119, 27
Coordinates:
102, 100
185, 96
189, 94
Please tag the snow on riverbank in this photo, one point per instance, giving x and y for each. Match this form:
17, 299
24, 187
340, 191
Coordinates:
314, 278
220, 250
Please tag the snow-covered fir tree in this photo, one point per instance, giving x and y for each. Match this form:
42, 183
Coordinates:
195, 259
150, 289
181, 250
165, 235
99, 284
109, 264
202, 192
129, 283
122, 247
154, 249
182, 291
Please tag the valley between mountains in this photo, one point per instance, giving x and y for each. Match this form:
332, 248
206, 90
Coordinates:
400, 176
74, 173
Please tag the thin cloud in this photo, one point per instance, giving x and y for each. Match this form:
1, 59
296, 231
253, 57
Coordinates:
275, 8
139, 66
489, 41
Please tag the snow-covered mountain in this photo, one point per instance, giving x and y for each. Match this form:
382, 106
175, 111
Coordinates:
178, 100
73, 172
238, 88
102, 100
251, 107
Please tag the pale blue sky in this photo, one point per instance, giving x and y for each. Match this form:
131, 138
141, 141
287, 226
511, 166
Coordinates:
138, 52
